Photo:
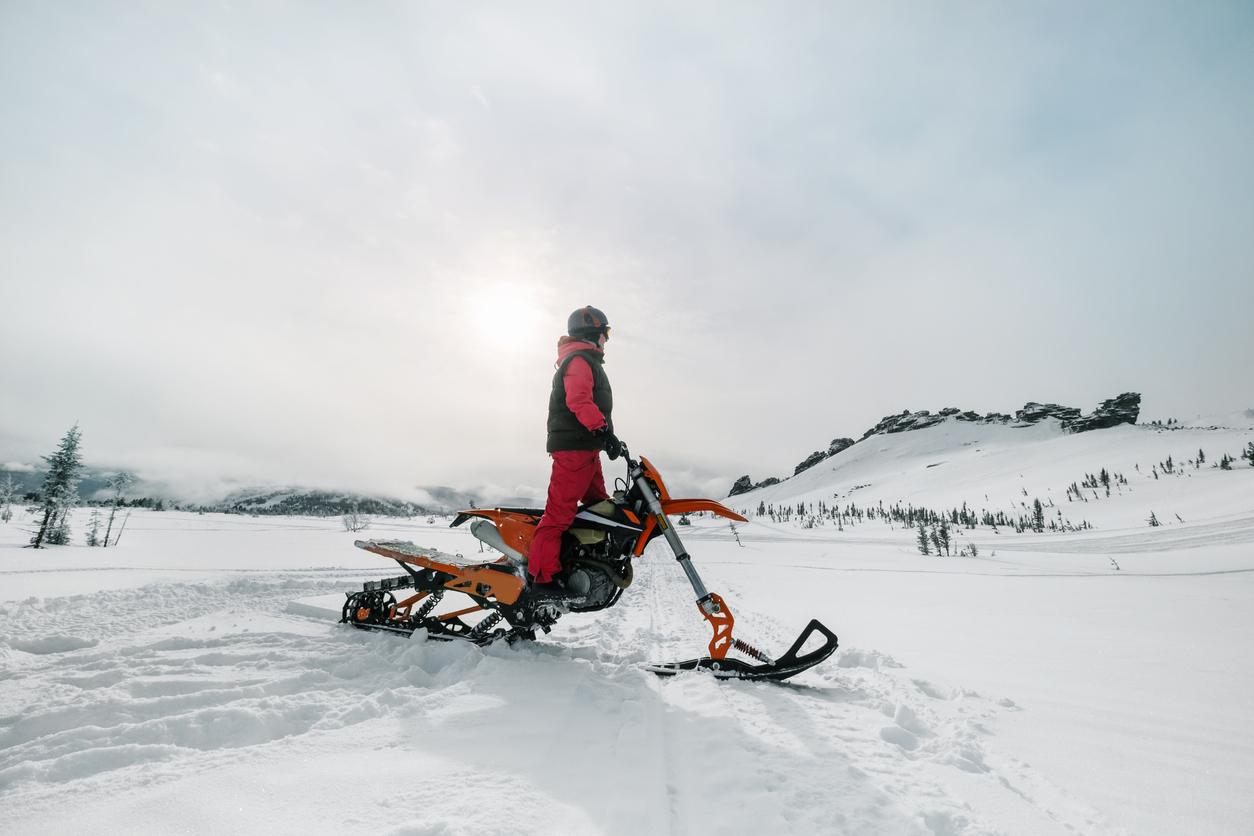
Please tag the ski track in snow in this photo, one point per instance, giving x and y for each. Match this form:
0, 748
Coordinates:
122, 694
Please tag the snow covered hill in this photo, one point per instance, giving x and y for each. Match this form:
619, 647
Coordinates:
1094, 681
1004, 468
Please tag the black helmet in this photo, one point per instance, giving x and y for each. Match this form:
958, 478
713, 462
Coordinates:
587, 322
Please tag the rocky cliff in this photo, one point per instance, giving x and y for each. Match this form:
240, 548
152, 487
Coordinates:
1123, 409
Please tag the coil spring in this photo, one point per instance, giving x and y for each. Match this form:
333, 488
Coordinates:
485, 626
750, 650
428, 605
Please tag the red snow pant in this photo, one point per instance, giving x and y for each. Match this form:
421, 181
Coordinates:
576, 478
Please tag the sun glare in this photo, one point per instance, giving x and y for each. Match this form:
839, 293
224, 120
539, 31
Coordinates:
506, 314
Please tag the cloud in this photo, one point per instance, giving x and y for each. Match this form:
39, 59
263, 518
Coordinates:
335, 246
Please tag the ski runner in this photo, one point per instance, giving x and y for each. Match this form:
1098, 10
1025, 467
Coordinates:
579, 428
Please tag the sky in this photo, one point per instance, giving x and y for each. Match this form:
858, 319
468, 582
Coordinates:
333, 244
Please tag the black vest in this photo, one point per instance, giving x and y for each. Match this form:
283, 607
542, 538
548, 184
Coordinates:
565, 431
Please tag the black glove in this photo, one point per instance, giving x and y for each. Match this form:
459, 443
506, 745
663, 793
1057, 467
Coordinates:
610, 443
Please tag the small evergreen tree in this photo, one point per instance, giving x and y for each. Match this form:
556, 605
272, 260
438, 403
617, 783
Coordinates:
60, 491
1153, 520
936, 540
93, 534
7, 491
922, 541
1225, 463
1201, 456
1038, 516
944, 536
1249, 453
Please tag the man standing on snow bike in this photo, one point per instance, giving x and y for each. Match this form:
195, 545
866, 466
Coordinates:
579, 428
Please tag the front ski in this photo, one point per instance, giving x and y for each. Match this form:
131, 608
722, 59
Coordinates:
790, 664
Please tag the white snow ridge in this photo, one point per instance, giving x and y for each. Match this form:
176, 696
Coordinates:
194, 679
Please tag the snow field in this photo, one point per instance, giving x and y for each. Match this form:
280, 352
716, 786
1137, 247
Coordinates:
574, 730
193, 679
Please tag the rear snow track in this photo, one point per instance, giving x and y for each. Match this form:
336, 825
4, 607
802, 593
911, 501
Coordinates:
205, 707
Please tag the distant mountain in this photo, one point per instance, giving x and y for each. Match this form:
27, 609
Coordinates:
309, 502
263, 499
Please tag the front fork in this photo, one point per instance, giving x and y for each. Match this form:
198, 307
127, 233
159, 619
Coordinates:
710, 604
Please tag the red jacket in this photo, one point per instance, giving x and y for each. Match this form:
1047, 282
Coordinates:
578, 382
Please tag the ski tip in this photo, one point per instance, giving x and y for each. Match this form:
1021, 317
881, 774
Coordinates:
793, 662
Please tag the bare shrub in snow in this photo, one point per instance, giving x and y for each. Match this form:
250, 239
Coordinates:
353, 521
119, 483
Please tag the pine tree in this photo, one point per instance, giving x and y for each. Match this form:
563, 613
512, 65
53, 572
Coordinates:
1249, 453
1038, 516
60, 491
1201, 456
944, 536
1225, 463
93, 534
923, 549
1153, 520
7, 491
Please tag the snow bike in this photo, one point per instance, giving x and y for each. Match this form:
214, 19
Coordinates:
596, 557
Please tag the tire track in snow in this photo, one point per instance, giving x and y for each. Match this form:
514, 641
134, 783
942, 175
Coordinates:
726, 747
890, 747
129, 610
187, 681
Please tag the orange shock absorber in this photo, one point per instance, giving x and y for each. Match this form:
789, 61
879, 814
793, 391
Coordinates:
751, 651
721, 620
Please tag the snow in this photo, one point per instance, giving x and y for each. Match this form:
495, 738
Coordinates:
193, 679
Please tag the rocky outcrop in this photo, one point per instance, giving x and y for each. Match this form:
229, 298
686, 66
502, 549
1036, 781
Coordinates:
744, 484
908, 420
1124, 409
1033, 412
835, 447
